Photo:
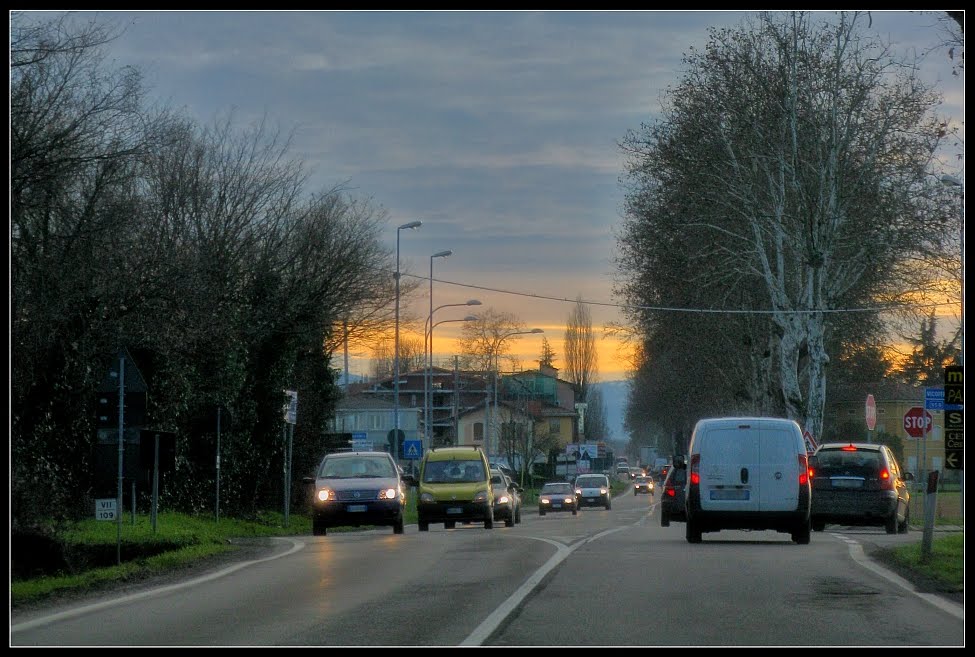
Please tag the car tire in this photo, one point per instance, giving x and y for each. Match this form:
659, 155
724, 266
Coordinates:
317, 529
904, 527
693, 532
541, 513
890, 526
801, 534
818, 525
423, 526
449, 524
664, 520
398, 526
609, 505
575, 512
518, 515
509, 521
634, 492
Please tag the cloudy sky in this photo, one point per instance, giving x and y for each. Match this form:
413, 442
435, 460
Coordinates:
498, 130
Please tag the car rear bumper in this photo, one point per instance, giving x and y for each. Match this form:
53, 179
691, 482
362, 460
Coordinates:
446, 511
859, 509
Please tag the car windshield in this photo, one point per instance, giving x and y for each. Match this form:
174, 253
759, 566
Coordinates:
839, 462
556, 489
641, 480
497, 479
590, 482
364, 467
457, 471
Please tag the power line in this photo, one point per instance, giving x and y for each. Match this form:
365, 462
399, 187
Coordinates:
716, 311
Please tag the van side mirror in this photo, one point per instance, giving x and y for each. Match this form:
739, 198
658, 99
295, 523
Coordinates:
308, 481
907, 476
680, 463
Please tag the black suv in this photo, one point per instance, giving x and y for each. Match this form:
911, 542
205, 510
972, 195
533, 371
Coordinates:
859, 484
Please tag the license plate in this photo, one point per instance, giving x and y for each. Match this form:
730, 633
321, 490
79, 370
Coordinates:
556, 506
733, 494
847, 483
455, 510
356, 508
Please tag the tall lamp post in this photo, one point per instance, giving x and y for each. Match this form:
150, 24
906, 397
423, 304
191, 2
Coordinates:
427, 432
497, 348
413, 225
952, 181
428, 411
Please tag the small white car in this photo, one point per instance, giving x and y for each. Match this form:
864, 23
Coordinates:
593, 490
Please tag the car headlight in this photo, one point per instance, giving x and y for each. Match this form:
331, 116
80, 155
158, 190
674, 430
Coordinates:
602, 491
503, 499
544, 501
569, 500
481, 496
325, 494
387, 494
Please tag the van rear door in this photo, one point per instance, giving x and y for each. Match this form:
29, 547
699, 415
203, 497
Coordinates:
779, 474
730, 468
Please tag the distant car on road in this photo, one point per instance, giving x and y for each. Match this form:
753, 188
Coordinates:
593, 490
507, 498
643, 484
557, 496
859, 484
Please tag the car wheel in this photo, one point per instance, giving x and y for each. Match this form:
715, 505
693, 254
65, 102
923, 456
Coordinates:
317, 529
904, 527
489, 523
801, 534
449, 524
664, 520
423, 526
818, 525
518, 515
575, 512
693, 532
634, 493
541, 513
891, 524
609, 505
398, 526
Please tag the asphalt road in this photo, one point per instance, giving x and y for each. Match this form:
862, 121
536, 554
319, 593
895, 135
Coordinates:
601, 578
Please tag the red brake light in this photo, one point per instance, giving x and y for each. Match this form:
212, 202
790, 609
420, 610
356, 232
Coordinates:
848, 448
670, 491
804, 473
885, 481
694, 476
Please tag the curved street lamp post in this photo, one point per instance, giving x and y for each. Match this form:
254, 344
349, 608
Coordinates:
413, 225
494, 418
427, 432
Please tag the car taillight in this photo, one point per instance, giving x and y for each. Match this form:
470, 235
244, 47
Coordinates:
886, 482
804, 473
670, 491
695, 476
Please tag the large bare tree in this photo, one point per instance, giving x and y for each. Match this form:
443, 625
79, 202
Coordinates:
581, 359
791, 174
484, 342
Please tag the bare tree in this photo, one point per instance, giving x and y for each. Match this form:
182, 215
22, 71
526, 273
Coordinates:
793, 161
484, 342
581, 361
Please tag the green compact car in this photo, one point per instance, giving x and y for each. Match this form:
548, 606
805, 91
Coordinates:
454, 486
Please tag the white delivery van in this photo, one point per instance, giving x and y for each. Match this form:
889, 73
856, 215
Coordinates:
747, 473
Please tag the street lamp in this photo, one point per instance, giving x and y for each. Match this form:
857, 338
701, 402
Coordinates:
429, 364
497, 348
413, 225
952, 181
428, 409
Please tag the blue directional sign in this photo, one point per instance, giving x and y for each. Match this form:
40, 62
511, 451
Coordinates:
412, 449
360, 441
934, 399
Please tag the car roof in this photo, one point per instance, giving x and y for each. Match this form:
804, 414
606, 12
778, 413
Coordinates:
864, 446
343, 455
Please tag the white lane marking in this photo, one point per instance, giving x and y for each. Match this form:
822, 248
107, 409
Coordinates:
858, 555
78, 611
492, 622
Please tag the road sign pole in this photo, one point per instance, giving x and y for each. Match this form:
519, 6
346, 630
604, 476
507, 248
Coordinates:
121, 457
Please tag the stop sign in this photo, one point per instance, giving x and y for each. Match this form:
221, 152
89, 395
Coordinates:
871, 413
917, 421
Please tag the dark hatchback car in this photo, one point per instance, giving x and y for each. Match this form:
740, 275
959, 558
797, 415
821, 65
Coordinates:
672, 499
352, 489
859, 484
557, 496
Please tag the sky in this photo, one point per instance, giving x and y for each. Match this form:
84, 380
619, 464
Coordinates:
498, 130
